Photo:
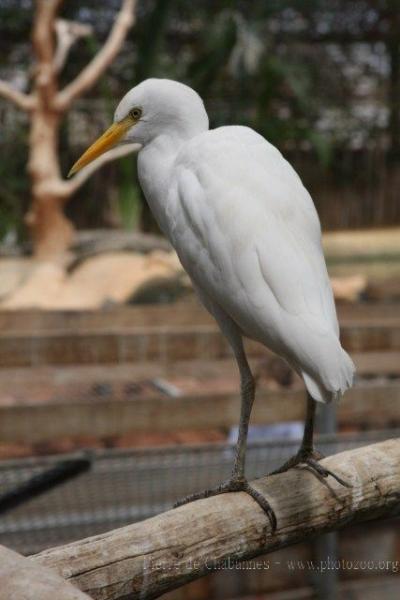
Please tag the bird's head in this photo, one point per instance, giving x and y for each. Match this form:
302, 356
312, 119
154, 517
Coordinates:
155, 107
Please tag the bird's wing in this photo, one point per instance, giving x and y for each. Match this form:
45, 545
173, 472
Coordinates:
247, 231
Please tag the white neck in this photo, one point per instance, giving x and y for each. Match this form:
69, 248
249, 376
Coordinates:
155, 162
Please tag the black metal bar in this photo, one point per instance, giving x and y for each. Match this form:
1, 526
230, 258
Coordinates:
43, 482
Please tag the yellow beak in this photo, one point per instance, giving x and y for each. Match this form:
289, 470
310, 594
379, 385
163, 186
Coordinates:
105, 142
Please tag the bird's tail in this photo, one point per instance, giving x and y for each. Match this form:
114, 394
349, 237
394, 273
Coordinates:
330, 382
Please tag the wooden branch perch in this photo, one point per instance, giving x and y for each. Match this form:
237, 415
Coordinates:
71, 186
23, 101
146, 559
91, 73
20, 579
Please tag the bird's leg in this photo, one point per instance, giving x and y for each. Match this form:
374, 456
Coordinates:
238, 482
247, 393
307, 454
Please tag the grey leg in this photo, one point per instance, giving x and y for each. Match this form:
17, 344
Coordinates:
307, 454
238, 481
307, 443
247, 394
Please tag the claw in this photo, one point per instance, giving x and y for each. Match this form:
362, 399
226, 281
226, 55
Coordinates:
234, 485
314, 464
310, 458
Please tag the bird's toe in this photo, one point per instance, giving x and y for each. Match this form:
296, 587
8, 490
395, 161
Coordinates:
233, 485
311, 459
324, 472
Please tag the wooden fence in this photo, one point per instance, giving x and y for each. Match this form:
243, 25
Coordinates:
89, 363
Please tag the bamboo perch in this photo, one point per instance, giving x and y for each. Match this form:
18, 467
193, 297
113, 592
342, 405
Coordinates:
146, 559
22, 580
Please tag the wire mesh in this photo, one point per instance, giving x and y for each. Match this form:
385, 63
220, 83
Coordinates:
127, 486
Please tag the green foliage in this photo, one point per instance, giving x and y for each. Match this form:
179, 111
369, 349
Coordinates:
150, 41
217, 42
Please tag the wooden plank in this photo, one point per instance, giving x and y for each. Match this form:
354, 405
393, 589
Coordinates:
362, 244
376, 406
171, 315
377, 363
163, 344
371, 337
122, 316
55, 383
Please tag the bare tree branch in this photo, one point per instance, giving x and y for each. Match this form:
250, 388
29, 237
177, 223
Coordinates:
23, 101
68, 32
65, 188
71, 186
149, 558
91, 73
22, 580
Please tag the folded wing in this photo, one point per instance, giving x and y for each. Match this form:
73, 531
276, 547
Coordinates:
247, 232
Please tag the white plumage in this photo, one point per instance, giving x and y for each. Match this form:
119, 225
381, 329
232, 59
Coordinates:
247, 233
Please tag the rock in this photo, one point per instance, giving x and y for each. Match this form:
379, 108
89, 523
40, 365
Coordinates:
109, 278
41, 288
13, 271
349, 289
114, 277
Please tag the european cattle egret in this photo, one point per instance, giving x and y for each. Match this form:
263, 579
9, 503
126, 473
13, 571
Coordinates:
248, 235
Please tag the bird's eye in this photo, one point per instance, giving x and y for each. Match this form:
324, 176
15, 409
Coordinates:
135, 113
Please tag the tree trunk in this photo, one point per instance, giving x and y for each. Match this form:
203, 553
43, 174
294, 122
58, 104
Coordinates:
51, 231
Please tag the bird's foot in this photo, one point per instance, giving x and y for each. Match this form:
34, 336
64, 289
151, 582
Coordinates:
233, 485
311, 458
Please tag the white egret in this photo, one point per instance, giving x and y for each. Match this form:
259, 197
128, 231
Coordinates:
248, 235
